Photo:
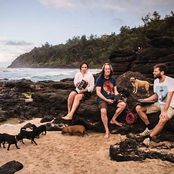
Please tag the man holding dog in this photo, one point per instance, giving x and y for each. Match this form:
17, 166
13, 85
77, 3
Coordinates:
163, 92
106, 89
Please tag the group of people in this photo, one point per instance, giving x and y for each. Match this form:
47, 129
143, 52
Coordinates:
106, 89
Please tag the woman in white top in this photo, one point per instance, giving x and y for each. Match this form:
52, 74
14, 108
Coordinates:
80, 94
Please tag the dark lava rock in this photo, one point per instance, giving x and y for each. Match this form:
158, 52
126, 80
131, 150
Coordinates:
11, 167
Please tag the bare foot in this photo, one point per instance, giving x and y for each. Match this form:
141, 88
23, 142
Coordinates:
115, 122
67, 117
106, 135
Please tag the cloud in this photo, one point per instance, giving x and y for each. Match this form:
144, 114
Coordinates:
125, 6
58, 3
15, 43
90, 4
2, 39
10, 50
18, 43
159, 2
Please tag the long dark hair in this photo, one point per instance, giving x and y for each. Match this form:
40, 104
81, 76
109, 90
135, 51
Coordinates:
83, 64
103, 70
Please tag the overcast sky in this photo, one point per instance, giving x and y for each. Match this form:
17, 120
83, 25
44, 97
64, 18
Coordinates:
25, 24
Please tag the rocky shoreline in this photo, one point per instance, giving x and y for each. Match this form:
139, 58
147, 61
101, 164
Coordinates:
47, 100
25, 99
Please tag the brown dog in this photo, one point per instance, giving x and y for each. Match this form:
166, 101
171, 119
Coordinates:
140, 84
74, 129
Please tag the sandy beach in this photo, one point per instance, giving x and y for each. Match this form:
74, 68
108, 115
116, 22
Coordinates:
62, 154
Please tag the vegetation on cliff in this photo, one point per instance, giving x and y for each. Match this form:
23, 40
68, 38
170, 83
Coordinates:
96, 50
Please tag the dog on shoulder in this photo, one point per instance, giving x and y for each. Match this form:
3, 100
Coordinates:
10, 139
140, 84
74, 129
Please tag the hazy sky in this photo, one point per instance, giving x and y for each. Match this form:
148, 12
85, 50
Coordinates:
25, 24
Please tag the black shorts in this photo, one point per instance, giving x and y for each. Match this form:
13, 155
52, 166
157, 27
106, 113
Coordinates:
86, 95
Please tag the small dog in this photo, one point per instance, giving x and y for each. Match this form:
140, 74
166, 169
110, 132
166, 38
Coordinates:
28, 135
140, 84
74, 129
10, 139
39, 130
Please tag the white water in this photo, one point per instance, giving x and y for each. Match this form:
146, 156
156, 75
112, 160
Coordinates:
40, 74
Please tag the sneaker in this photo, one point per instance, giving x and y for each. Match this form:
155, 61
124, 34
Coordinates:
146, 142
146, 132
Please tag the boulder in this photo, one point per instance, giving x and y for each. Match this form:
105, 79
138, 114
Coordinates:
2, 116
132, 149
11, 167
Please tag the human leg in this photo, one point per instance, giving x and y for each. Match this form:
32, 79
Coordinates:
103, 106
155, 131
120, 107
71, 99
162, 121
142, 110
75, 104
104, 119
159, 126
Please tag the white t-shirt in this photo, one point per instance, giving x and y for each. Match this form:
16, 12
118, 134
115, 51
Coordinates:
88, 76
163, 88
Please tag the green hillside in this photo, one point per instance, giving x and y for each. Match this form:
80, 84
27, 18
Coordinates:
96, 50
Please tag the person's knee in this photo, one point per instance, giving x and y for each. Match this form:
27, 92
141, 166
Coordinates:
138, 108
78, 97
123, 105
103, 112
72, 95
162, 121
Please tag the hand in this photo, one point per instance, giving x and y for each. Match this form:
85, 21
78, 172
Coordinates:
77, 84
164, 115
86, 82
82, 90
109, 101
120, 101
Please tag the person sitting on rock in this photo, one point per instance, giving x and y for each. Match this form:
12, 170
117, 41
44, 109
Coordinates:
106, 89
163, 91
80, 93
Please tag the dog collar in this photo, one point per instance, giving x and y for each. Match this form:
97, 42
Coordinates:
16, 139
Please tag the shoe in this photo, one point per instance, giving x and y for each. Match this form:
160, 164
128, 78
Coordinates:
146, 142
146, 132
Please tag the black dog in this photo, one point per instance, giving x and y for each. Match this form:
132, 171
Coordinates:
28, 135
39, 130
10, 139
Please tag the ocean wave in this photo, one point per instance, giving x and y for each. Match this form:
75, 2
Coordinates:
40, 74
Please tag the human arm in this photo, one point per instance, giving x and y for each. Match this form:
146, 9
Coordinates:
90, 82
151, 98
115, 90
77, 79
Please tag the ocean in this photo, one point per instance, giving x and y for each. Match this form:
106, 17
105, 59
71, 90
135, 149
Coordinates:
40, 74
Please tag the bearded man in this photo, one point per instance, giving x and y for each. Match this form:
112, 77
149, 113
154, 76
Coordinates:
163, 94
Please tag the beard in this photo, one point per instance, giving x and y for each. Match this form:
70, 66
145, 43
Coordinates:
157, 76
